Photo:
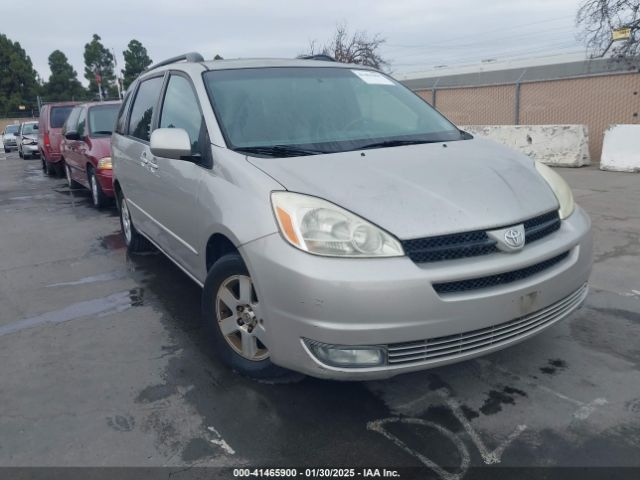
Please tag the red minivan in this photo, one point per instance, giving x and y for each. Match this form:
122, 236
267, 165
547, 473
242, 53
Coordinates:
52, 118
86, 149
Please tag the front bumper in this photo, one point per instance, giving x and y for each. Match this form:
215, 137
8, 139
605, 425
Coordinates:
10, 144
391, 301
31, 149
105, 179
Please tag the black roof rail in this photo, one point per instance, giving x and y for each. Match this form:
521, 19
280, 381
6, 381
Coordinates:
317, 56
189, 57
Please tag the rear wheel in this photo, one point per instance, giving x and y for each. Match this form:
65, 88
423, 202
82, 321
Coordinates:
49, 168
7, 150
135, 242
233, 320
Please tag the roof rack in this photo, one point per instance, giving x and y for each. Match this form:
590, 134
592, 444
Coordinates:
317, 56
189, 57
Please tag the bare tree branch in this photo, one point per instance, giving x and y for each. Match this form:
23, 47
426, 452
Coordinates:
599, 18
359, 48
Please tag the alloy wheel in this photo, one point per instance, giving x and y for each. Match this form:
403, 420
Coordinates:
237, 312
126, 220
94, 190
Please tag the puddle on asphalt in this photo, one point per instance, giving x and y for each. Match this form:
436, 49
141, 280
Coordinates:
113, 241
100, 307
103, 277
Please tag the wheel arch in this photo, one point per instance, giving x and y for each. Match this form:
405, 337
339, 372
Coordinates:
218, 245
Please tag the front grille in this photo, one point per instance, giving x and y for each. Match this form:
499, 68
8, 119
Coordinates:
452, 346
498, 279
475, 243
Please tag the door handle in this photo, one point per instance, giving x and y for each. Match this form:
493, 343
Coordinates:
153, 165
144, 161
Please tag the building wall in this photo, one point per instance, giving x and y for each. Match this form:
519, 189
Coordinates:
595, 101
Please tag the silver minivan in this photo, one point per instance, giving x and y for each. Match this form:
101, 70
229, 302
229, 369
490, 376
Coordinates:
339, 225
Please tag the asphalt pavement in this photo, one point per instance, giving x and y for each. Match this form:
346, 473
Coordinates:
103, 362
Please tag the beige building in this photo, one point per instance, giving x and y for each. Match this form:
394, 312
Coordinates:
596, 93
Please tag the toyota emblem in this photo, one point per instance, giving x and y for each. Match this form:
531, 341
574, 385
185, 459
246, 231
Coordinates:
514, 238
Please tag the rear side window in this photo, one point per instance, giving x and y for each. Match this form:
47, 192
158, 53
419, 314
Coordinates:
58, 116
143, 105
122, 115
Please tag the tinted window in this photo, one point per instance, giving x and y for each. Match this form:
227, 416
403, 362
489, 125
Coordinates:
82, 123
71, 124
59, 115
181, 109
142, 111
11, 128
102, 119
122, 115
324, 109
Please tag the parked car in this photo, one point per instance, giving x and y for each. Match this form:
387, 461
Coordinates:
9, 137
86, 149
27, 140
52, 118
338, 224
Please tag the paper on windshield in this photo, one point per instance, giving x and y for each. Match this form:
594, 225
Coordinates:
372, 78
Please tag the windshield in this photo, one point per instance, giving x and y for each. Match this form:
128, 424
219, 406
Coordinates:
59, 115
11, 129
29, 128
102, 119
321, 109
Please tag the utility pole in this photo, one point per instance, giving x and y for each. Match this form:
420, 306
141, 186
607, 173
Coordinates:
115, 70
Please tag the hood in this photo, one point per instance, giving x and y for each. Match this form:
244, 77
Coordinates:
31, 136
422, 190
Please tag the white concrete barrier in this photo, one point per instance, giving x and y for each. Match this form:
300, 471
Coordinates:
555, 145
621, 148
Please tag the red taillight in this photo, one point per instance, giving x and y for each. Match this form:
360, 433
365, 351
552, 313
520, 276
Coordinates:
47, 142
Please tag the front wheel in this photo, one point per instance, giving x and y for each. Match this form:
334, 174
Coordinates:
234, 323
70, 181
100, 200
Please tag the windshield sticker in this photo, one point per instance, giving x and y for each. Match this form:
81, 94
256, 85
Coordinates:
372, 78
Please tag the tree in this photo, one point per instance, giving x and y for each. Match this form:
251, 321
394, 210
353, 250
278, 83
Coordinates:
98, 60
63, 83
18, 81
599, 18
360, 48
136, 60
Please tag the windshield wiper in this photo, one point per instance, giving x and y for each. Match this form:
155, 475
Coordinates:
396, 143
102, 132
279, 150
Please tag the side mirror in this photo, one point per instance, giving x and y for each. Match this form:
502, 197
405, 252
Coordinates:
71, 135
171, 143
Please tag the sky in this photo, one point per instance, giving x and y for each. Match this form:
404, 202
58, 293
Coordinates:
420, 34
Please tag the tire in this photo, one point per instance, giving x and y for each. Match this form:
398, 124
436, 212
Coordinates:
20, 153
49, 169
7, 150
99, 199
135, 242
70, 181
228, 275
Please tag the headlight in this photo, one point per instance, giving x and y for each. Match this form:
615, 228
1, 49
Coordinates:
560, 189
105, 163
322, 228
